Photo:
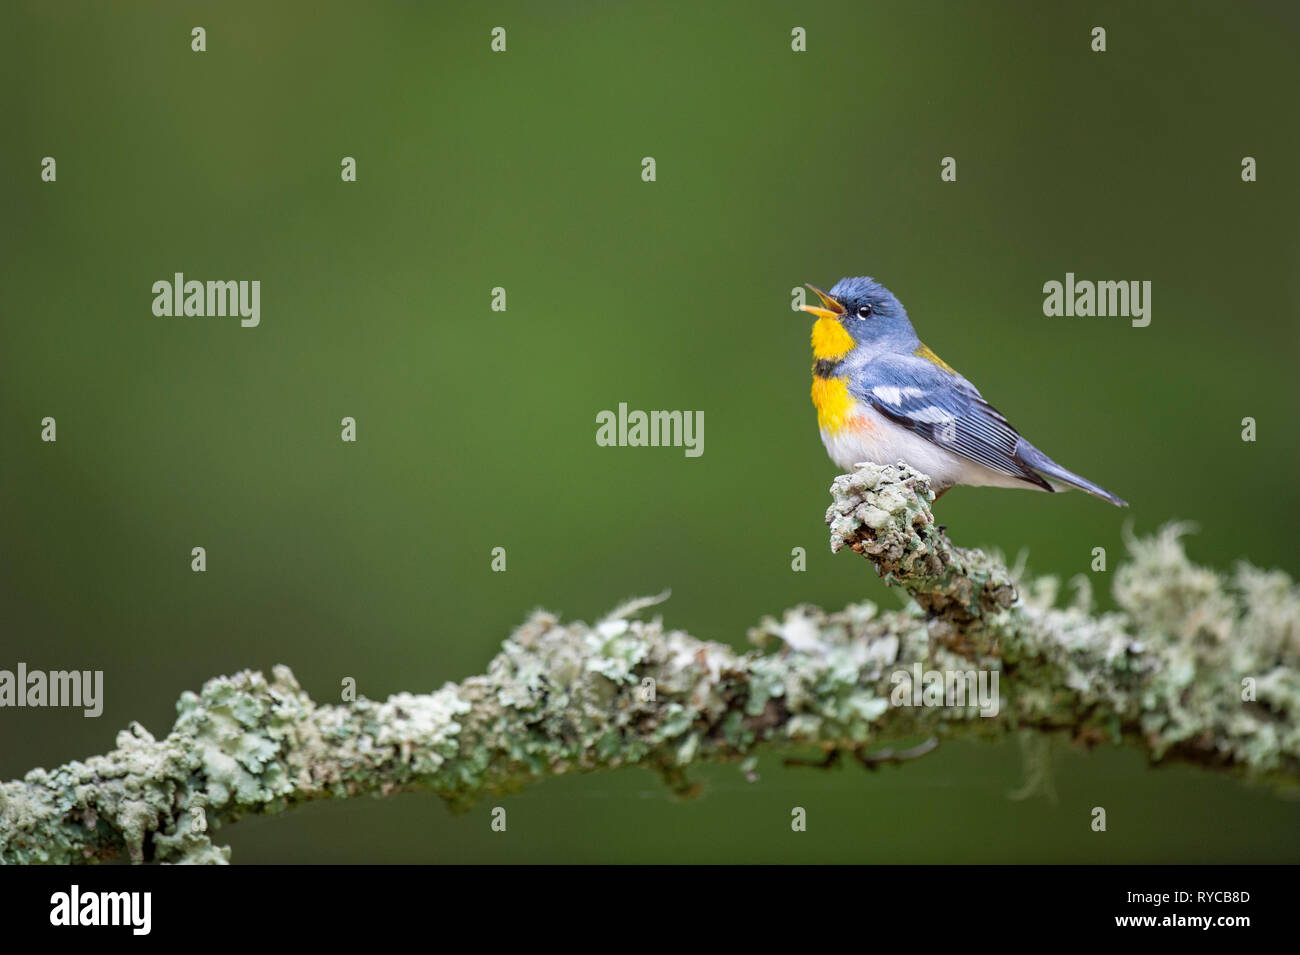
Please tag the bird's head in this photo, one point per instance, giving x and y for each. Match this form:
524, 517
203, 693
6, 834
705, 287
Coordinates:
858, 312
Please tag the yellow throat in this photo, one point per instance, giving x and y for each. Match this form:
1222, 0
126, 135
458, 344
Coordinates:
830, 342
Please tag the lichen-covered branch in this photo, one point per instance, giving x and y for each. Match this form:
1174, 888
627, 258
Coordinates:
1194, 666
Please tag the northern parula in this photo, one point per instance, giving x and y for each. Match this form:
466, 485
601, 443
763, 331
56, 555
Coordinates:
882, 396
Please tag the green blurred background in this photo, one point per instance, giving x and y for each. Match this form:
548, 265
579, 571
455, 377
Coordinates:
476, 429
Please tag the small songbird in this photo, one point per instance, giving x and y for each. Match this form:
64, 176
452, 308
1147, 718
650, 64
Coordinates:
882, 396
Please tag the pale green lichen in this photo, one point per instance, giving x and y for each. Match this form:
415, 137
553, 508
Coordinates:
1165, 671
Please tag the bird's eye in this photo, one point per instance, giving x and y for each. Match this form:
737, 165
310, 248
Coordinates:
864, 311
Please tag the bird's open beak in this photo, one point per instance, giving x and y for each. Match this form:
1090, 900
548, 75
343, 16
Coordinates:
833, 308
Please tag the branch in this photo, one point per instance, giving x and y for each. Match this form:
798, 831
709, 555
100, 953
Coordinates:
1164, 672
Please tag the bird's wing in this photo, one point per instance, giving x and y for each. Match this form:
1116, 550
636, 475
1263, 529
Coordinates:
944, 408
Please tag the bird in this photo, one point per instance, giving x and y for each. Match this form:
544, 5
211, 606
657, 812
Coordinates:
882, 396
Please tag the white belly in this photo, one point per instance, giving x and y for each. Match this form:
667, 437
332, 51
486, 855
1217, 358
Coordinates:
871, 438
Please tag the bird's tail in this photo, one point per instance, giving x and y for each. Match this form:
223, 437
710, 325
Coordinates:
1037, 460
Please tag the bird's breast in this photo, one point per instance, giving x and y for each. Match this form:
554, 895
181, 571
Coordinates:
837, 410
